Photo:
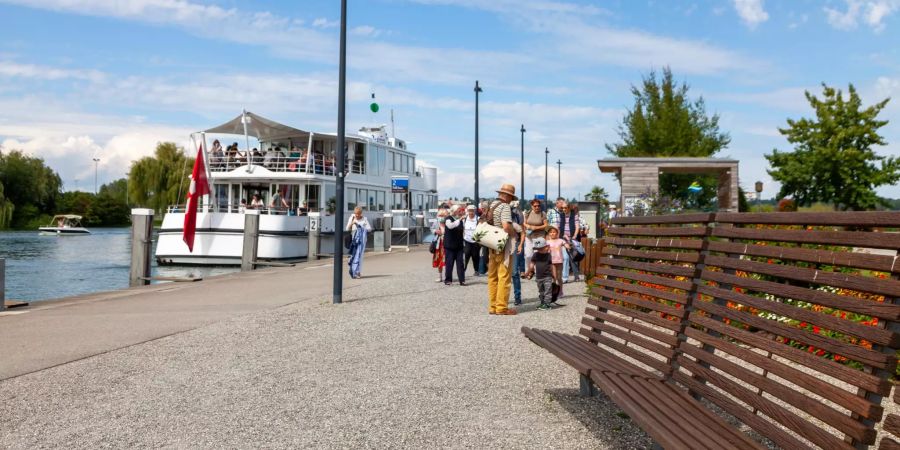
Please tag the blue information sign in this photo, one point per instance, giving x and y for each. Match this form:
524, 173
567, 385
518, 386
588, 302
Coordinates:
400, 184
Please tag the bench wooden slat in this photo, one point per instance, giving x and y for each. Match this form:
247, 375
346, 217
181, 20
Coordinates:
632, 352
635, 327
637, 301
856, 218
634, 339
794, 422
685, 244
659, 406
881, 263
844, 238
842, 302
660, 231
665, 295
874, 334
668, 282
888, 444
892, 424
846, 374
821, 411
855, 352
667, 269
780, 437
679, 257
667, 219
650, 318
855, 282
810, 382
543, 340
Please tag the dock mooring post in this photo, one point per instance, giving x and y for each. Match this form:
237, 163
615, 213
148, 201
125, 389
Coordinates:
251, 240
2, 284
314, 244
141, 246
388, 223
420, 228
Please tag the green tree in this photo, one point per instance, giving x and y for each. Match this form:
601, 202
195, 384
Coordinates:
29, 185
6, 210
599, 195
156, 181
833, 160
665, 122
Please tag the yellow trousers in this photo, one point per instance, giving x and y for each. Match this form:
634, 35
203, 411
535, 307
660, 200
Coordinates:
499, 281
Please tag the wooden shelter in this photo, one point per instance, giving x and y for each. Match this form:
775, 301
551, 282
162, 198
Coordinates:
638, 175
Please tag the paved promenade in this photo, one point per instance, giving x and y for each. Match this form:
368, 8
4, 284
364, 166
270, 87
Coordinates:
264, 360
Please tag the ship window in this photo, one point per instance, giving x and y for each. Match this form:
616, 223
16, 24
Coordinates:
396, 166
379, 199
362, 198
373, 206
351, 199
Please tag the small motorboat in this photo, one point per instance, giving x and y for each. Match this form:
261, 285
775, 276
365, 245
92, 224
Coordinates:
64, 225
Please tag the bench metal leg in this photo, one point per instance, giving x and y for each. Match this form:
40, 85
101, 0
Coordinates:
586, 387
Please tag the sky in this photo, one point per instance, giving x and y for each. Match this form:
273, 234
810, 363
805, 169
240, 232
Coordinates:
108, 79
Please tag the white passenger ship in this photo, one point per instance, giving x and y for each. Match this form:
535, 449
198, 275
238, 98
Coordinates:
292, 173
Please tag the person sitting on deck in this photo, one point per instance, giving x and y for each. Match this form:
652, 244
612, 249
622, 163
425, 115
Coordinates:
256, 202
278, 201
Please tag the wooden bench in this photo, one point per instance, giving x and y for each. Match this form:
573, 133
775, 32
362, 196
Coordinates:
786, 322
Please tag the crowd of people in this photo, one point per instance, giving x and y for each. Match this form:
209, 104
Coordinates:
276, 157
543, 245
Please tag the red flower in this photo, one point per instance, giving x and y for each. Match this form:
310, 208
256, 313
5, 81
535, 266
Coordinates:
820, 353
815, 329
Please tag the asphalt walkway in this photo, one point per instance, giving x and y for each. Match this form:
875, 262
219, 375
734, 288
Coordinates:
264, 359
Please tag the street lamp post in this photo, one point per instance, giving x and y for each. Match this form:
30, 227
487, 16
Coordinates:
522, 170
477, 91
337, 291
546, 164
559, 177
96, 161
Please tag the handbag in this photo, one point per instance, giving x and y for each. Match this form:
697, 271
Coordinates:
348, 240
433, 247
488, 235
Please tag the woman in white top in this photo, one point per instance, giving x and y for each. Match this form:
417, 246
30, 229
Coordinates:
358, 226
471, 248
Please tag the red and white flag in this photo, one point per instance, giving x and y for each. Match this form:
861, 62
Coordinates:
199, 188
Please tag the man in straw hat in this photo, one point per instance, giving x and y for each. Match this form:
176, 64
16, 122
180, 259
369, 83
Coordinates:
500, 262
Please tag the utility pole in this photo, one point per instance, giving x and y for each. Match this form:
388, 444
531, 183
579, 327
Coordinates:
559, 178
546, 166
477, 91
522, 170
337, 292
96, 161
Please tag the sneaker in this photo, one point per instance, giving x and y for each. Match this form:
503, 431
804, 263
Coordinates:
517, 302
439, 280
463, 283
543, 307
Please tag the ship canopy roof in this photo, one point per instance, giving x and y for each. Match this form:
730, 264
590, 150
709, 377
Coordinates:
259, 127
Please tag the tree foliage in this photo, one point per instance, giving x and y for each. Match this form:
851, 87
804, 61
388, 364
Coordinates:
833, 160
6, 209
160, 180
29, 185
108, 208
665, 122
599, 195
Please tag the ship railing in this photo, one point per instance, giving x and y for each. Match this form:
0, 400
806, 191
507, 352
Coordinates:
278, 162
240, 209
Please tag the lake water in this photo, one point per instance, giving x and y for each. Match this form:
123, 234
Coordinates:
46, 267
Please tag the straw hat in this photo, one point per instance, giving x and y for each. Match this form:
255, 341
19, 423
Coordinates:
509, 190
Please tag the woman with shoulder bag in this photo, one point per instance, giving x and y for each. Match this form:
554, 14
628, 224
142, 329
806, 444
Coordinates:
358, 226
536, 225
437, 258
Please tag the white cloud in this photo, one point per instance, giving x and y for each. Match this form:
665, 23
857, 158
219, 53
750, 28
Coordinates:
322, 22
752, 12
12, 69
871, 12
366, 30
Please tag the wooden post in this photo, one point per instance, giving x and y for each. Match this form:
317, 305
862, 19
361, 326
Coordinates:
388, 222
314, 244
251, 240
2, 284
141, 246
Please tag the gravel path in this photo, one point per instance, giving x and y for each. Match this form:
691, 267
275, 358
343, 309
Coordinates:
405, 362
